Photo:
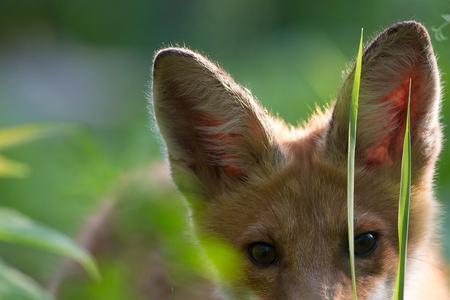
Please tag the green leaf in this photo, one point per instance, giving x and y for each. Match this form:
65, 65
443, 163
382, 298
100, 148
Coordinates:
17, 286
21, 134
353, 118
10, 168
25, 133
446, 18
225, 260
404, 203
19, 229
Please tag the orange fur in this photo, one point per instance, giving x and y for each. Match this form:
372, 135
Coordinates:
260, 180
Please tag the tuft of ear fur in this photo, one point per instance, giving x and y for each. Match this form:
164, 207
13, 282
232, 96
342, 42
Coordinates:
400, 53
215, 131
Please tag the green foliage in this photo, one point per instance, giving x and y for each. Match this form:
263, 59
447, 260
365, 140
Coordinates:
438, 30
353, 120
14, 136
17, 286
114, 285
404, 204
405, 185
10, 168
161, 214
16, 228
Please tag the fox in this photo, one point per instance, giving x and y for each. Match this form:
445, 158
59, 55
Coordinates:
277, 192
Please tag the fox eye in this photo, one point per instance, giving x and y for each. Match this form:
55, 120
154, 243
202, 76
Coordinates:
365, 244
262, 254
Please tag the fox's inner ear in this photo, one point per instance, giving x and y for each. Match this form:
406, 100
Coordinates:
213, 128
400, 53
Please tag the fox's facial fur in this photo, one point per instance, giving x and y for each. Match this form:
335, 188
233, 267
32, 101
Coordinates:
260, 180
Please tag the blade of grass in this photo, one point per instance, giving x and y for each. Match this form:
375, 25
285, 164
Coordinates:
19, 229
353, 117
12, 169
404, 203
16, 285
18, 135
26, 133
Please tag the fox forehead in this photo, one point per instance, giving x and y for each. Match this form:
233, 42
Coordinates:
306, 192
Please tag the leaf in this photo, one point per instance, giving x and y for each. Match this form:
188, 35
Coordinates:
225, 260
25, 133
10, 168
404, 203
17, 286
21, 134
446, 18
19, 229
353, 118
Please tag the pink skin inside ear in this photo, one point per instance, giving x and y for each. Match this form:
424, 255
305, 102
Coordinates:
388, 149
230, 169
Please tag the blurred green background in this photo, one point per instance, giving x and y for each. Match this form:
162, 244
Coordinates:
87, 63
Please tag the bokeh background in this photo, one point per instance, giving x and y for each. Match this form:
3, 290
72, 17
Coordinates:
87, 64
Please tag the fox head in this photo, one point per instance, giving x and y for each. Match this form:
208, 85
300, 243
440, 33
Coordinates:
277, 193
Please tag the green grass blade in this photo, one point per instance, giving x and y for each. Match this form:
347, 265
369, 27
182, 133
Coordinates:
19, 229
353, 117
18, 135
12, 169
16, 285
404, 203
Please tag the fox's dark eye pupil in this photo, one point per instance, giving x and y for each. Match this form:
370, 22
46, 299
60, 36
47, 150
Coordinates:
365, 244
262, 254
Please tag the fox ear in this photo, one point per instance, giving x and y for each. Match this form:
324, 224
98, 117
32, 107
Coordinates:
400, 53
215, 131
